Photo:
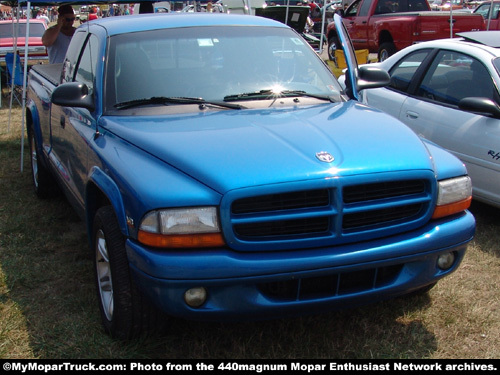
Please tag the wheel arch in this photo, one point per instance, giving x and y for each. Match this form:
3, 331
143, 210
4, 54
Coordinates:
384, 37
101, 191
33, 125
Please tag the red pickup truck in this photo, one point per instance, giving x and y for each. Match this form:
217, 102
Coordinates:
386, 26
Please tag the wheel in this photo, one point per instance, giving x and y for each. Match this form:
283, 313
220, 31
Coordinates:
125, 314
333, 44
386, 49
43, 182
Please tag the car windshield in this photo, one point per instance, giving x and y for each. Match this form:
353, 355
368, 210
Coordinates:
7, 29
217, 64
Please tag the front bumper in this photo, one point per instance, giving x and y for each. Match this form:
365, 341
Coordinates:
280, 283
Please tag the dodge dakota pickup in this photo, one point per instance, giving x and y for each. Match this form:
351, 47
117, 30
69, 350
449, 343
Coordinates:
385, 27
223, 173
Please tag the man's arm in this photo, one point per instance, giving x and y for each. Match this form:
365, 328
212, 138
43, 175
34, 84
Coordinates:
50, 35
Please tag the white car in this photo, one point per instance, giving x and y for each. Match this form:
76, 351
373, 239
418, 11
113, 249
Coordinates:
447, 91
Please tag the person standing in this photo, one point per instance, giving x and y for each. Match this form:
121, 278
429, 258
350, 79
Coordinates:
57, 37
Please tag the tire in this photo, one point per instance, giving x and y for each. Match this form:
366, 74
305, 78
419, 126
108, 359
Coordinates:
43, 182
125, 314
333, 44
386, 49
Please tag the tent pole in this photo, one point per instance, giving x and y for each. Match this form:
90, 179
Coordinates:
15, 31
25, 77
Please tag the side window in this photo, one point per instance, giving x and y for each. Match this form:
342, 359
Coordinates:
417, 5
352, 10
403, 72
387, 6
86, 70
72, 56
496, 8
365, 7
454, 76
484, 10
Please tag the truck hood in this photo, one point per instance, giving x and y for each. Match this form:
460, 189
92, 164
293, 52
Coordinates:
234, 149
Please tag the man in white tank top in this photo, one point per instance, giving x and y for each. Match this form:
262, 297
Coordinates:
57, 38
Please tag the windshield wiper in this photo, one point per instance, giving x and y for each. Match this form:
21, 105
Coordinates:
173, 100
270, 94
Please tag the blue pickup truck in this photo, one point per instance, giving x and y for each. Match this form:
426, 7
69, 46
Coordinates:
223, 173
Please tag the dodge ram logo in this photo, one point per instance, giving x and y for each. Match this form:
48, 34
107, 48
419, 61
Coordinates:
325, 157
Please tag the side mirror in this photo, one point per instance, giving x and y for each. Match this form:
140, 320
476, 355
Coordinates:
371, 77
73, 94
483, 106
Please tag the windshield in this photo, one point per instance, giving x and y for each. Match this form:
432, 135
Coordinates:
7, 29
214, 64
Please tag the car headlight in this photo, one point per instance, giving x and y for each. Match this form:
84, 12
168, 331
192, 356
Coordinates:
454, 195
181, 228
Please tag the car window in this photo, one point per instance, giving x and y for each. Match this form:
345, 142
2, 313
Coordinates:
484, 10
453, 76
7, 29
88, 62
72, 55
180, 63
402, 73
353, 9
496, 64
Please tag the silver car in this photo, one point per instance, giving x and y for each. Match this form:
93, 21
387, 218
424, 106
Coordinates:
447, 91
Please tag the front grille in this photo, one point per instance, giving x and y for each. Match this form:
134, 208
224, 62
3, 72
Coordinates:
328, 216
331, 285
284, 227
377, 217
367, 192
284, 201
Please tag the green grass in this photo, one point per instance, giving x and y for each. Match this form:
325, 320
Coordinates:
48, 304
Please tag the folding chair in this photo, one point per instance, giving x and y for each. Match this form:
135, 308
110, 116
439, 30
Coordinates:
17, 85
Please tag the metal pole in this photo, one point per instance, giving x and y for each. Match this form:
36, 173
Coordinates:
489, 15
25, 77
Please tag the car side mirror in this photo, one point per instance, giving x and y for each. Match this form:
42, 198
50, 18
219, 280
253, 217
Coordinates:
483, 106
371, 77
73, 94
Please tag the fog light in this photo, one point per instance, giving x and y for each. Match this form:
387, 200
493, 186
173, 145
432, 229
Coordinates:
195, 297
445, 261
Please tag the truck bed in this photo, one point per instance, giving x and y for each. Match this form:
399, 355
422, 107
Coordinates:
51, 72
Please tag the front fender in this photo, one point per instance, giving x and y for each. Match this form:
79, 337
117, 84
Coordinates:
108, 188
33, 125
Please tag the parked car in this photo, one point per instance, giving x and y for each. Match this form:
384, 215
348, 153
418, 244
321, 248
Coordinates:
447, 92
384, 26
222, 173
36, 49
493, 22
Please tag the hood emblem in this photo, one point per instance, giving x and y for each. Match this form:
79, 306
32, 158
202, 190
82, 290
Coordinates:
324, 157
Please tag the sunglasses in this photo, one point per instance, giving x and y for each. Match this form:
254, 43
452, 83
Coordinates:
68, 19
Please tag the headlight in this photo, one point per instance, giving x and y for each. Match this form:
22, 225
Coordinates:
181, 227
454, 195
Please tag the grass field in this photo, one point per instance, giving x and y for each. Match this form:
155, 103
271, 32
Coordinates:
48, 305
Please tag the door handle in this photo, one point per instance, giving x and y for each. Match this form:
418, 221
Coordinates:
412, 115
62, 121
